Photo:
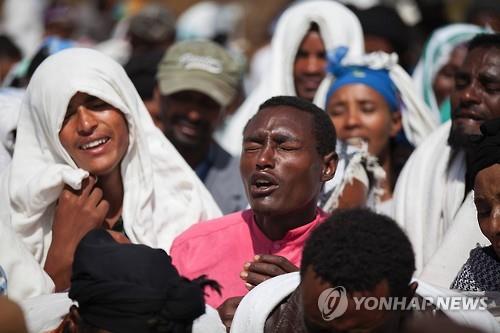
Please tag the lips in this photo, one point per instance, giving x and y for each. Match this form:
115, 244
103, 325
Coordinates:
469, 115
94, 145
311, 83
262, 184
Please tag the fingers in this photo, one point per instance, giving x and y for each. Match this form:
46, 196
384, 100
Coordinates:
228, 309
88, 184
283, 263
264, 267
253, 279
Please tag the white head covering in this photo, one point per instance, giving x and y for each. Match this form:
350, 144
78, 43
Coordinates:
338, 27
162, 195
10, 104
435, 55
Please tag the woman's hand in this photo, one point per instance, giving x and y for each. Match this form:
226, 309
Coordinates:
77, 213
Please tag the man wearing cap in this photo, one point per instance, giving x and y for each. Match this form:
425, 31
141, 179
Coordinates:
197, 80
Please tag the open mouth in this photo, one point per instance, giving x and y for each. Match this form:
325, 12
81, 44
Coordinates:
262, 184
94, 144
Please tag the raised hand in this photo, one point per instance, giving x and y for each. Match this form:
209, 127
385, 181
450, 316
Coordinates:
77, 212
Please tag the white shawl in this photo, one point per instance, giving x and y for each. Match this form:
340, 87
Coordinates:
428, 196
162, 195
338, 27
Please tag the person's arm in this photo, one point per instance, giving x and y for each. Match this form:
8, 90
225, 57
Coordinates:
77, 213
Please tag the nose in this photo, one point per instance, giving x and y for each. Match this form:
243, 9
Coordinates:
470, 94
353, 119
194, 114
494, 223
265, 159
87, 122
315, 65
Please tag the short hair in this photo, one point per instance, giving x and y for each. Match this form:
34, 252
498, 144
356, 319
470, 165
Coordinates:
324, 131
357, 249
484, 41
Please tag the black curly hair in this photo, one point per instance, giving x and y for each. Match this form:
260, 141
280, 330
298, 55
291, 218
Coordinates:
324, 132
357, 249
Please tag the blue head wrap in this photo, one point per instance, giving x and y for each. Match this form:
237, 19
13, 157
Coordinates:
377, 79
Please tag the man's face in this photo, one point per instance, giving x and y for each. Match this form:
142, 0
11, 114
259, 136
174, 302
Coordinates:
189, 118
477, 94
353, 319
309, 68
487, 201
280, 165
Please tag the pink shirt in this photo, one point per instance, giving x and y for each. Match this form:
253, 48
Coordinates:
219, 249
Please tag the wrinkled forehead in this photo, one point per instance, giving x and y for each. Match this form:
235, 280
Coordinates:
482, 59
282, 117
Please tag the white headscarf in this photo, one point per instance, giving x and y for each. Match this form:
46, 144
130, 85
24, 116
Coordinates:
338, 27
435, 55
162, 195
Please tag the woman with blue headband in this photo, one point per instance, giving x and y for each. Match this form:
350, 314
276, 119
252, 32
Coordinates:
365, 106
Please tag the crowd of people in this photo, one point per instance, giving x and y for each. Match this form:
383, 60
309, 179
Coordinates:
160, 179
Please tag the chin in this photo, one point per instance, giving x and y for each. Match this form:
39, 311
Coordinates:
101, 170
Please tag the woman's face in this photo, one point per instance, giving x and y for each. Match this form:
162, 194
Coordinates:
444, 82
359, 112
95, 134
487, 201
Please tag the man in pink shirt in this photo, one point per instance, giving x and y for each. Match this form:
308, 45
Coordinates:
288, 153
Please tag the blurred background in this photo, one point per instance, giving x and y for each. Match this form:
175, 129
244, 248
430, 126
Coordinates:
126, 28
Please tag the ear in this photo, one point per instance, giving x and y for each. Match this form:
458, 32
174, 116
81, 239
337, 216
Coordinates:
396, 123
329, 166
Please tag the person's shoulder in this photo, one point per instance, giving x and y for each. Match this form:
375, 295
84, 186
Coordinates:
214, 228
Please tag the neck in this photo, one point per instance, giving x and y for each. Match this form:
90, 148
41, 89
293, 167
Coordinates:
193, 155
275, 227
386, 162
112, 189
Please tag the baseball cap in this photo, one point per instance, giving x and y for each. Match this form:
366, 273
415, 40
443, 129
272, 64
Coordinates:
202, 66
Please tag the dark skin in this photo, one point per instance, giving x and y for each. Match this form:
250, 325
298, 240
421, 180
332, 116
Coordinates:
309, 68
283, 174
363, 320
189, 119
444, 82
477, 94
487, 201
98, 203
